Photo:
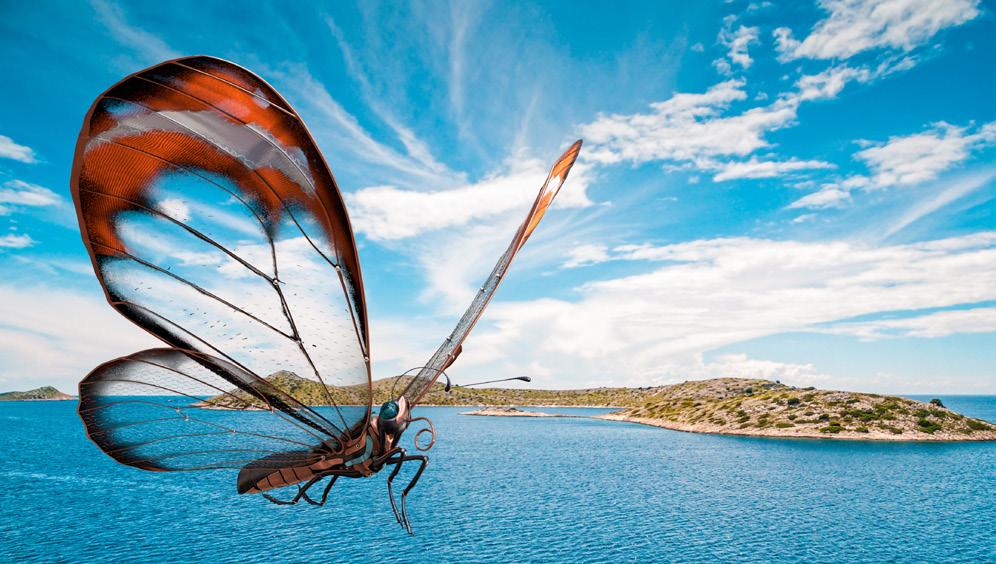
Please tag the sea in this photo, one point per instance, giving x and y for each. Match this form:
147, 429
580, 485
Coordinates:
502, 489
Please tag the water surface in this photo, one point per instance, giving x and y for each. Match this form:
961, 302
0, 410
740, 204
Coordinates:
519, 489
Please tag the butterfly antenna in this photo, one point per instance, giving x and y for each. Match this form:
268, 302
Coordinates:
520, 378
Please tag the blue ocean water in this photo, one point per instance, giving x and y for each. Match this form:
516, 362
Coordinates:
519, 490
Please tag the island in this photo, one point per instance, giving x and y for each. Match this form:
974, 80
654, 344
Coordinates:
506, 411
45, 393
728, 406
735, 406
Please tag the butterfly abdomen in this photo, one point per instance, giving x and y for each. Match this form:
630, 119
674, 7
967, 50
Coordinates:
280, 470
260, 479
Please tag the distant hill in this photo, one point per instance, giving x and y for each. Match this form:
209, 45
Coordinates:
43, 393
734, 406
763, 408
311, 392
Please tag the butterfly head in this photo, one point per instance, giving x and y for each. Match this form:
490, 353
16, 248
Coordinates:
394, 416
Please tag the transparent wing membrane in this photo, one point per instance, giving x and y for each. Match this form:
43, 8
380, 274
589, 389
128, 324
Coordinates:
154, 410
450, 349
214, 223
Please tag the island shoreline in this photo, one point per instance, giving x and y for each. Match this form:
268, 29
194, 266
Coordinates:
781, 434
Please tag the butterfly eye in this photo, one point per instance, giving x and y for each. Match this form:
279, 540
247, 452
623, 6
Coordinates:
389, 410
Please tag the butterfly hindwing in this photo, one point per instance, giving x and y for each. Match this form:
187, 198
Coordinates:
173, 410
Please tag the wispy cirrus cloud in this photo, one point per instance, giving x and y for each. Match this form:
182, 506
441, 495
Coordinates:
951, 191
416, 147
342, 132
854, 26
149, 46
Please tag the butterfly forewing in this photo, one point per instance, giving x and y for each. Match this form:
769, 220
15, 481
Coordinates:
448, 351
214, 223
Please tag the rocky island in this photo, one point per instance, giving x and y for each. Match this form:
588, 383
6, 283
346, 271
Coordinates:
37, 394
735, 406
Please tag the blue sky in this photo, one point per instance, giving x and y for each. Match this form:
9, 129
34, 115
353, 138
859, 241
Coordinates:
791, 190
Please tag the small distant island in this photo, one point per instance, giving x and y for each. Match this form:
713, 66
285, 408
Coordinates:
45, 393
506, 411
729, 406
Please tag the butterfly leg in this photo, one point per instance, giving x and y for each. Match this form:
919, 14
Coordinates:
390, 491
325, 494
424, 461
296, 498
292, 501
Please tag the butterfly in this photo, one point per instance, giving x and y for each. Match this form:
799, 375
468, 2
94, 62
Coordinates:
214, 223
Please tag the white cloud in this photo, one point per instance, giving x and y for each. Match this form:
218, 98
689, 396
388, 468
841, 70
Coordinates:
923, 156
739, 365
854, 26
755, 168
455, 236
829, 83
722, 66
56, 336
832, 197
584, 255
692, 130
909, 160
756, 6
11, 150
939, 324
687, 127
385, 213
15, 241
709, 294
20, 193
738, 41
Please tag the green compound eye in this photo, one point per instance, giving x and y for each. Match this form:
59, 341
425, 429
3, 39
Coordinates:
389, 410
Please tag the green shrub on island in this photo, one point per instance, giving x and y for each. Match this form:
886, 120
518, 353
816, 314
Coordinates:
976, 425
927, 426
833, 428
